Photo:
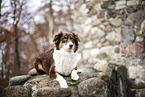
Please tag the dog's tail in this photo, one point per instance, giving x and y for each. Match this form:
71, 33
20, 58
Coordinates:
38, 66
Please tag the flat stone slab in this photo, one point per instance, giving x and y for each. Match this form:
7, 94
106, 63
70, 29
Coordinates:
18, 80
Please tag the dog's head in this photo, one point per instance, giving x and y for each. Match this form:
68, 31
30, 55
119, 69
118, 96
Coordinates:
67, 41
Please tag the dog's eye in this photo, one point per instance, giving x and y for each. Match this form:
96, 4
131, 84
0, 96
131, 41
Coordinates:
65, 37
64, 40
71, 37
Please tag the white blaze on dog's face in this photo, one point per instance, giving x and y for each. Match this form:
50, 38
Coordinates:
68, 46
67, 42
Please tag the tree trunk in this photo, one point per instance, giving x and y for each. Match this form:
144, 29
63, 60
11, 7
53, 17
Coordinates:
17, 46
51, 23
16, 19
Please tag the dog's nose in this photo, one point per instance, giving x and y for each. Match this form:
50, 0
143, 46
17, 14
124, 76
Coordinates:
70, 46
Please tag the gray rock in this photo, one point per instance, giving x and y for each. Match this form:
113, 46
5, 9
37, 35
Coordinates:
114, 36
115, 21
108, 50
136, 72
41, 81
32, 72
18, 80
132, 2
108, 28
53, 92
92, 87
16, 91
97, 22
136, 49
136, 18
94, 52
83, 9
127, 35
103, 66
120, 4
96, 32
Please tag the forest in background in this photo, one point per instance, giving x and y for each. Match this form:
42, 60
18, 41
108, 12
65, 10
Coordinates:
26, 30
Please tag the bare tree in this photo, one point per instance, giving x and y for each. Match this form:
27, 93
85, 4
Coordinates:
51, 22
17, 6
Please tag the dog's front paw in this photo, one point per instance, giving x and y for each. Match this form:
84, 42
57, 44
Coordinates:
74, 75
61, 81
63, 85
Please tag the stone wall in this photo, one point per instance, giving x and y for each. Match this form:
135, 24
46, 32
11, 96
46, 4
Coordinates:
110, 30
113, 31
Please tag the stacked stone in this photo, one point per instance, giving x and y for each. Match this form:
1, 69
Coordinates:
112, 31
33, 85
108, 27
104, 80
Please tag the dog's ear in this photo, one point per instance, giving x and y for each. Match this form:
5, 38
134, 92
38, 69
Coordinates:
76, 37
57, 36
77, 40
56, 39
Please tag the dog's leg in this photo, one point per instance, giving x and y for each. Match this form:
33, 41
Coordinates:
38, 66
59, 78
61, 81
74, 75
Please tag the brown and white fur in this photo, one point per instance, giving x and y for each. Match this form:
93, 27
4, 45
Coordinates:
61, 60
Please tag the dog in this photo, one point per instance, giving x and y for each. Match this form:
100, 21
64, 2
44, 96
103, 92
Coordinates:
61, 60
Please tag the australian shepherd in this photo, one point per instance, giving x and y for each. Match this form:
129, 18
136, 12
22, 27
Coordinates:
61, 60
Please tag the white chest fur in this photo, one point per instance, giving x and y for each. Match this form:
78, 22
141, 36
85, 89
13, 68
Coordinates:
65, 61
